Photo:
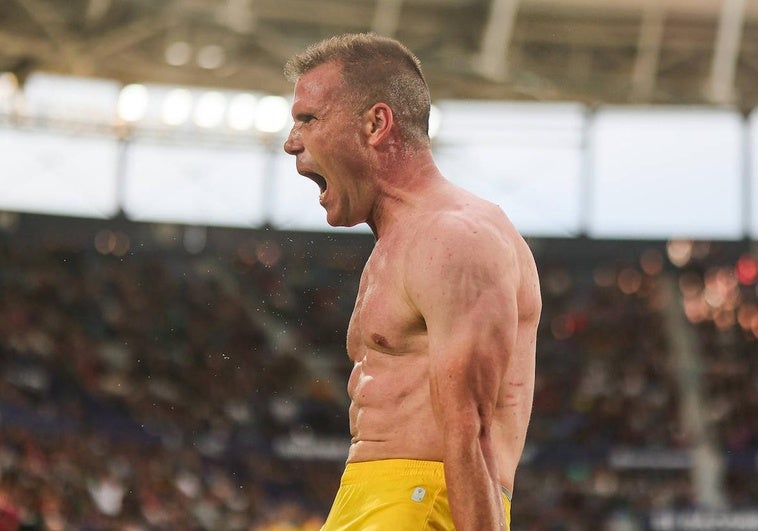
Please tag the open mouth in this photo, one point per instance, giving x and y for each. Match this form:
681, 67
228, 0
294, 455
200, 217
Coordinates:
318, 179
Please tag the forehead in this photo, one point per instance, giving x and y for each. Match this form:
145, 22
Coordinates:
319, 86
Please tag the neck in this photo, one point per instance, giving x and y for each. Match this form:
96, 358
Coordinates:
401, 187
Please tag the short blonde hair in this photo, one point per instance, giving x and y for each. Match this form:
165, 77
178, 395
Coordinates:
374, 69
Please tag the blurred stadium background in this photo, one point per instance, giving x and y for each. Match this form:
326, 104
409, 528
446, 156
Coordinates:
173, 305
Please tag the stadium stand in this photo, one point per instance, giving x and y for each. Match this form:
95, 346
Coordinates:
156, 388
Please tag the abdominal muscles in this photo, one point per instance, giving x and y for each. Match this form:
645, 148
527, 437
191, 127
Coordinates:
390, 413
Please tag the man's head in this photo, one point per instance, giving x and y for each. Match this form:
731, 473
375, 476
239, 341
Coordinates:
374, 69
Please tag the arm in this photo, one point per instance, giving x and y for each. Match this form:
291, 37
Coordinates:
463, 279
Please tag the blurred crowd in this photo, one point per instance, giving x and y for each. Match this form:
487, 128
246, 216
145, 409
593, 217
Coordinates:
205, 390
140, 393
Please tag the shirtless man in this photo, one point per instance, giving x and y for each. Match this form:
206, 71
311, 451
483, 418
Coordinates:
443, 332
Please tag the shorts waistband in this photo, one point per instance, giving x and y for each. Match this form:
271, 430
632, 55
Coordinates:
389, 469
392, 469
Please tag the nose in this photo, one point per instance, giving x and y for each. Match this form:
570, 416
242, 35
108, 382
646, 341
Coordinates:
293, 145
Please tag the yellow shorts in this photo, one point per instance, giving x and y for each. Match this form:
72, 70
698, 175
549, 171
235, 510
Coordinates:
394, 495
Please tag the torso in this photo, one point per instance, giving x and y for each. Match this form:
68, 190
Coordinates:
391, 413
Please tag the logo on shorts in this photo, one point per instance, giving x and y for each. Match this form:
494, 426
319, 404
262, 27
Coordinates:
418, 494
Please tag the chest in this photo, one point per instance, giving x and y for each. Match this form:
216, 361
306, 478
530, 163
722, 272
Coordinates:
384, 319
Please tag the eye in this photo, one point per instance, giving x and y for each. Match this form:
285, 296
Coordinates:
305, 118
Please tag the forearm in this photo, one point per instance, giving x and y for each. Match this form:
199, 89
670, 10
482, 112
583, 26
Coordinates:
473, 490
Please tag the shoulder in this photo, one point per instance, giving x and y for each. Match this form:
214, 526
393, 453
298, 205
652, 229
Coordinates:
460, 230
471, 239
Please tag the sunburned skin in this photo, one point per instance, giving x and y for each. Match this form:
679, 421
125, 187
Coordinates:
391, 413
443, 332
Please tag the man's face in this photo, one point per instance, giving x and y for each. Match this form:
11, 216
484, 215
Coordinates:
326, 139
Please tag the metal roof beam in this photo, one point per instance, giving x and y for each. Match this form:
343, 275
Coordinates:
648, 50
726, 51
492, 61
387, 17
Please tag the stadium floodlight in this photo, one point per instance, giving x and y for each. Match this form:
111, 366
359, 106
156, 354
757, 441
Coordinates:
272, 114
241, 112
209, 111
83, 100
178, 53
177, 107
132, 102
210, 57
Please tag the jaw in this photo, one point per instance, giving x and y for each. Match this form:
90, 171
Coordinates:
346, 210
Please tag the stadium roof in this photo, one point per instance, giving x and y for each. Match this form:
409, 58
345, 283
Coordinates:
593, 51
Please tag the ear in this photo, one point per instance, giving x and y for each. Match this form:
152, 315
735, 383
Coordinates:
378, 122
